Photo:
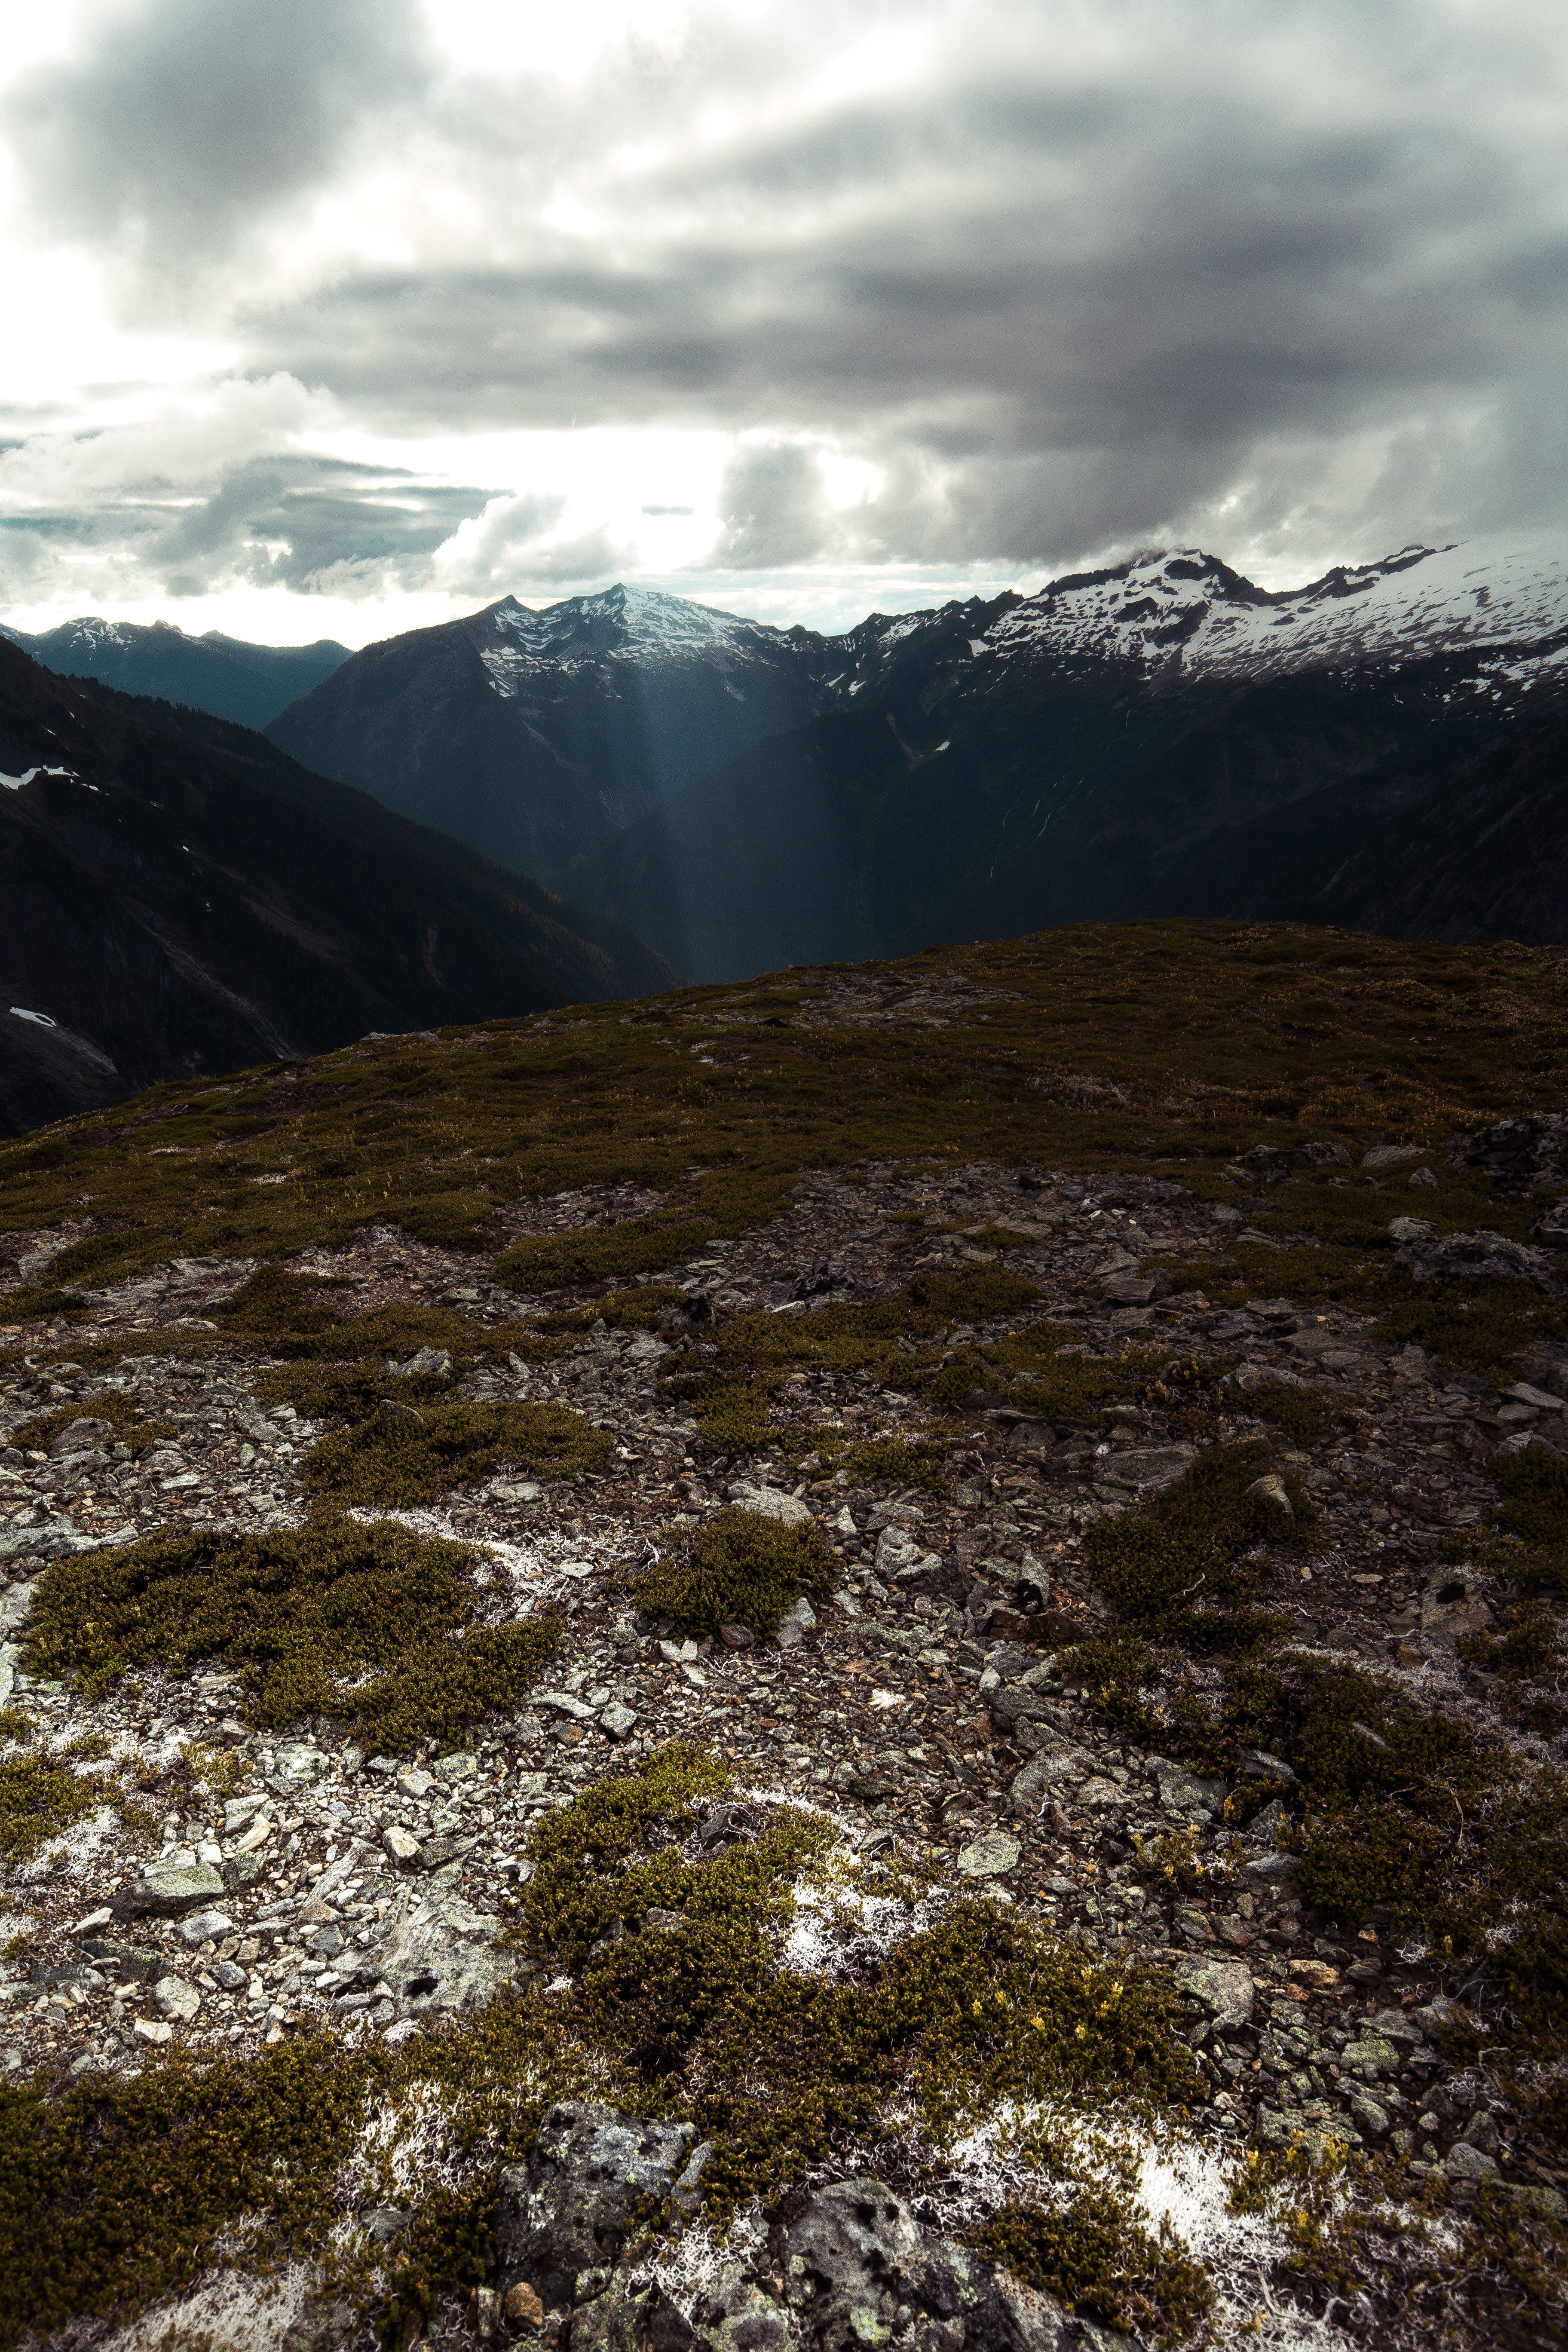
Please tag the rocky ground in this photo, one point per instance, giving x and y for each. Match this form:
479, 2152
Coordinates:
925, 1703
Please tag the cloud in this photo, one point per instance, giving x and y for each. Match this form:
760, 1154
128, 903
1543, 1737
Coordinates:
512, 548
181, 125
1059, 281
216, 492
773, 505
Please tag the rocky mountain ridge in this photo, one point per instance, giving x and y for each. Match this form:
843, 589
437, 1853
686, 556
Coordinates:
224, 675
1160, 737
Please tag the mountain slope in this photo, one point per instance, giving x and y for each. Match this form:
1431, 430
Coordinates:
250, 684
177, 896
534, 736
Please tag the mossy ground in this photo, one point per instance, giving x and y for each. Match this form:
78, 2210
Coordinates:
1092, 2253
1211, 1035
367, 1625
405, 1454
115, 2192
128, 1425
38, 1801
1158, 1046
738, 1569
778, 2065
1396, 1810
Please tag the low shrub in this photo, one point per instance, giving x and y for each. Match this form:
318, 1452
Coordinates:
403, 1455
368, 1624
1094, 2255
1187, 1545
38, 1801
544, 1262
738, 1569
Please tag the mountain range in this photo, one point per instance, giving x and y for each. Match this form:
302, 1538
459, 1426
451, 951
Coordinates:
177, 896
252, 684
1161, 736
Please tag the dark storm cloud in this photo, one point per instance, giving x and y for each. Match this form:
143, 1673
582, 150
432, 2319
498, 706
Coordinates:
183, 124
1064, 277
1056, 315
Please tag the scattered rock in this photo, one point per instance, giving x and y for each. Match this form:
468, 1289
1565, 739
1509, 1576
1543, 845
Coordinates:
991, 1855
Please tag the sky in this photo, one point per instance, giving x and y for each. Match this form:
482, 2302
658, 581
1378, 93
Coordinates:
334, 318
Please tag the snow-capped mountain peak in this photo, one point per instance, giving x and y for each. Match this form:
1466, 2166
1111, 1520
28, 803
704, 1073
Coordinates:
1182, 610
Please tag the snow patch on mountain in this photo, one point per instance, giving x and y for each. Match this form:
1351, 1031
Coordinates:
1185, 611
620, 627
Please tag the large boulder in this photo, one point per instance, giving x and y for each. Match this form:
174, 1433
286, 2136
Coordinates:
567, 2212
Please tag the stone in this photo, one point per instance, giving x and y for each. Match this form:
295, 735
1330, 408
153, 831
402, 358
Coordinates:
1374, 2052
795, 1623
1391, 1155
228, 1976
1479, 1255
80, 1436
1464, 2162
425, 1363
399, 1846
438, 1953
854, 2260
1045, 1772
521, 2307
1182, 1792
460, 1766
296, 1764
1257, 1764
788, 1509
152, 2029
571, 2208
1135, 1289
618, 1720
93, 1922
1530, 2199
1269, 1490
1147, 1467
1220, 1987
168, 1891
1482, 2132
204, 1925
1452, 1606
563, 1702
1370, 2119
176, 1998
990, 1856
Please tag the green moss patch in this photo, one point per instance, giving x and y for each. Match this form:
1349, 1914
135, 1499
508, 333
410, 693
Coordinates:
738, 1569
732, 1394
127, 1426
777, 2066
1184, 1550
115, 2193
407, 1453
38, 1801
1533, 1515
638, 1246
368, 1625
638, 1310
1096, 2257
1303, 1415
